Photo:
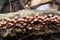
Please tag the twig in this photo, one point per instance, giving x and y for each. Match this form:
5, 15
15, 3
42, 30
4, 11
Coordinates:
10, 6
26, 36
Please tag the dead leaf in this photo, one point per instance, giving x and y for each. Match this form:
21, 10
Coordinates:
37, 2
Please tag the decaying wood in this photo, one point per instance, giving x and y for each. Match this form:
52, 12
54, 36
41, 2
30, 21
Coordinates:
25, 13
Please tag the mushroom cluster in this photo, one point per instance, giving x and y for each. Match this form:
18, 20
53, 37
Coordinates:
36, 22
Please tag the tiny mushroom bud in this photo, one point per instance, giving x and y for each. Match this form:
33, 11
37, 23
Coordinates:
4, 27
36, 14
16, 17
24, 24
29, 28
50, 15
4, 22
27, 17
36, 19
